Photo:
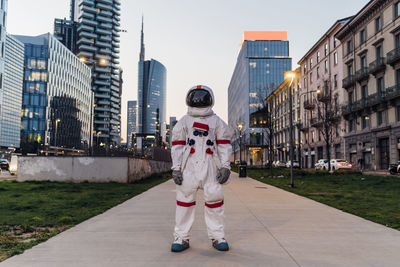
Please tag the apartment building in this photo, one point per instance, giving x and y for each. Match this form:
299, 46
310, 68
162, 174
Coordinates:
278, 103
371, 66
321, 94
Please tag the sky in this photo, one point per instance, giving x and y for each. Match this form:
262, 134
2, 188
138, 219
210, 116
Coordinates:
197, 41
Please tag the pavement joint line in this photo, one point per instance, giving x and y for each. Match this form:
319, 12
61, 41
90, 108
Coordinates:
266, 228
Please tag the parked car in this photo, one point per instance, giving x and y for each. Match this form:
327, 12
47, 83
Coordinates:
322, 164
295, 164
13, 165
4, 164
279, 164
337, 164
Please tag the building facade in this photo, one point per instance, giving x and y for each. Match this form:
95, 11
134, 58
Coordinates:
152, 89
66, 32
3, 20
57, 99
371, 57
10, 116
98, 46
279, 108
132, 117
321, 75
263, 58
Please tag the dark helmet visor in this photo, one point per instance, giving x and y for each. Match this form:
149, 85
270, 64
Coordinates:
199, 98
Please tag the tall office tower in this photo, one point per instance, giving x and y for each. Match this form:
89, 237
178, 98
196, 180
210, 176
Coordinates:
66, 32
10, 117
57, 97
263, 57
131, 127
98, 47
3, 18
151, 95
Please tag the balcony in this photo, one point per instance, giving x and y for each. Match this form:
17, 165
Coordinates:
393, 56
316, 122
103, 44
377, 66
102, 109
348, 82
106, 26
104, 96
104, 7
87, 3
324, 95
83, 27
84, 54
108, 2
86, 15
87, 34
85, 41
88, 48
89, 9
304, 127
362, 74
102, 31
104, 19
106, 13
100, 82
392, 92
106, 38
89, 22
104, 70
309, 104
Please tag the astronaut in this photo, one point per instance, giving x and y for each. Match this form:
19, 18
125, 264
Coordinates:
201, 152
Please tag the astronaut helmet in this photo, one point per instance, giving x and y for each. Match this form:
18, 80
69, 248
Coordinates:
200, 96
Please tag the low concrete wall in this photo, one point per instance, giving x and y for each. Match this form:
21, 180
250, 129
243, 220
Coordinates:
91, 169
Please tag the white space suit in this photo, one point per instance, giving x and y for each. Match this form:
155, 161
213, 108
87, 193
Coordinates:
200, 148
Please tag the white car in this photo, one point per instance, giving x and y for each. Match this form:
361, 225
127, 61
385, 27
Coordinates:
280, 164
295, 164
337, 164
322, 164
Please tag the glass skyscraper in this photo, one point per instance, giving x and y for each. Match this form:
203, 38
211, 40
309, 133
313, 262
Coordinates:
263, 58
3, 19
131, 127
57, 97
98, 32
10, 115
152, 83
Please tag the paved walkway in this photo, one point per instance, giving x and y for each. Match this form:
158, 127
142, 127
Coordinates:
266, 226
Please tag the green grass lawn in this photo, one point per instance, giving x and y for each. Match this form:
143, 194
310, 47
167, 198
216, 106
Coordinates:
32, 212
375, 198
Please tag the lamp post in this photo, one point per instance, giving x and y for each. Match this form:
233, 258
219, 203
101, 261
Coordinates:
55, 136
291, 75
242, 168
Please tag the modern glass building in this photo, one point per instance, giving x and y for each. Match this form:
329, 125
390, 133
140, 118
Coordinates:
263, 58
3, 19
152, 84
131, 127
10, 116
98, 46
66, 32
57, 97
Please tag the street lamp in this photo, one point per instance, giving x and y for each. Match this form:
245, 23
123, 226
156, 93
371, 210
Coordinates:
55, 137
291, 75
242, 169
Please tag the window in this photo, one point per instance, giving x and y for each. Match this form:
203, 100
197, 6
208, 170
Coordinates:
398, 77
397, 40
363, 36
380, 83
381, 117
310, 63
365, 122
398, 113
318, 56
326, 49
326, 65
379, 52
305, 68
350, 97
378, 24
363, 62
310, 77
305, 83
364, 92
317, 72
351, 125
334, 42
335, 81
349, 46
397, 10
335, 58
350, 69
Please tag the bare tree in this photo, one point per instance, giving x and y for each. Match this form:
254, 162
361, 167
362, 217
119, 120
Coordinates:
327, 116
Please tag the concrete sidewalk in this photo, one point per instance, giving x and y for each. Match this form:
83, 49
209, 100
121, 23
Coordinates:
265, 226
